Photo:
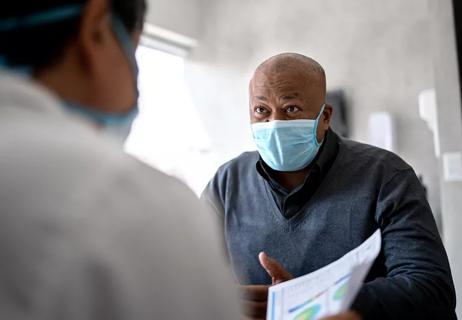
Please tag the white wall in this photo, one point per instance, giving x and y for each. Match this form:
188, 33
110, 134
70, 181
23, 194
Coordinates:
180, 16
379, 52
450, 124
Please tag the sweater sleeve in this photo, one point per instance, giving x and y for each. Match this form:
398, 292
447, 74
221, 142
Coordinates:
418, 282
211, 200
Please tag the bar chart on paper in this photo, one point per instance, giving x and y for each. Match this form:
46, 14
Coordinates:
327, 291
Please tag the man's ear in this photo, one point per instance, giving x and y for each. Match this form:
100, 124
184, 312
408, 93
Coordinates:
327, 116
94, 30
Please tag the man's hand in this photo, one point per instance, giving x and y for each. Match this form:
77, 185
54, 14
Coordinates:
350, 315
254, 297
254, 301
277, 273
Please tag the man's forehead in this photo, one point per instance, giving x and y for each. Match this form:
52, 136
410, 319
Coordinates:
286, 87
284, 94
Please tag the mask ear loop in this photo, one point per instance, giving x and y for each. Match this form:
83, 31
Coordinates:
315, 129
41, 18
32, 20
125, 41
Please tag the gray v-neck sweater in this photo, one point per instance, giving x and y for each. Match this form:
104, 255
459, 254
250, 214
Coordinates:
365, 188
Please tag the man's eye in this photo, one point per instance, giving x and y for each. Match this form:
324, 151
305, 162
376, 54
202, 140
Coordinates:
292, 109
260, 110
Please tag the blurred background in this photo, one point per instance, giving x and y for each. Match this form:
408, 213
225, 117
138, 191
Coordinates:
392, 72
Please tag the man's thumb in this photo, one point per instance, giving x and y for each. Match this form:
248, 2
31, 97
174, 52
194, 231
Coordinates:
277, 273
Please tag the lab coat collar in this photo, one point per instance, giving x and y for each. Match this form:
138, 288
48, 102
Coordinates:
22, 92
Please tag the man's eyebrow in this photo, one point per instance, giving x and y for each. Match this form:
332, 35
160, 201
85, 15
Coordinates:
261, 98
290, 96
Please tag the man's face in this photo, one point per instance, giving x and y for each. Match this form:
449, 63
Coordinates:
288, 95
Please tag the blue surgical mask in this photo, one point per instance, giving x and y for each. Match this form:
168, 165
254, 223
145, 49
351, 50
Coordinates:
287, 145
116, 124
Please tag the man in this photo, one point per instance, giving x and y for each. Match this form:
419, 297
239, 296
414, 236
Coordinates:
307, 197
87, 232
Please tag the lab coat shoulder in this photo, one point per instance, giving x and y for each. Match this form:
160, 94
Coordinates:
91, 233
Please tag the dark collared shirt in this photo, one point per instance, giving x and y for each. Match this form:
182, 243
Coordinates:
290, 202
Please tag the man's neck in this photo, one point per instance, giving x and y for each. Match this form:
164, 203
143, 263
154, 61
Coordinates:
291, 180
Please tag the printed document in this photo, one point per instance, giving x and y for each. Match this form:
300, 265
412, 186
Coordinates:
327, 291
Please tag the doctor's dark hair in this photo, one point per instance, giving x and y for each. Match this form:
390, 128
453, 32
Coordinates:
42, 45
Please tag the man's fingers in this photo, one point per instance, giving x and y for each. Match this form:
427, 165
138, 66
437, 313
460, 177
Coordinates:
254, 309
254, 293
274, 269
350, 315
254, 301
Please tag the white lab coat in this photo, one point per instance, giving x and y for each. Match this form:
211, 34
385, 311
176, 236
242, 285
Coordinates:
87, 232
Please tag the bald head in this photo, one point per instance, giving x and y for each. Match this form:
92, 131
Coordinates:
285, 62
292, 66
288, 86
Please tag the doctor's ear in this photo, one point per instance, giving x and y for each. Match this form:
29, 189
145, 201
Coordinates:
95, 30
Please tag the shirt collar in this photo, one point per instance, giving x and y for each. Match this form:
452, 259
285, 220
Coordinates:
328, 153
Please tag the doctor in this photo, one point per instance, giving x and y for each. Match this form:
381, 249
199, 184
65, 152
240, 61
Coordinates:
87, 232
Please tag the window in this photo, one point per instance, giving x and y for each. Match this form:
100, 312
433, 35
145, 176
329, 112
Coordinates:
168, 133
